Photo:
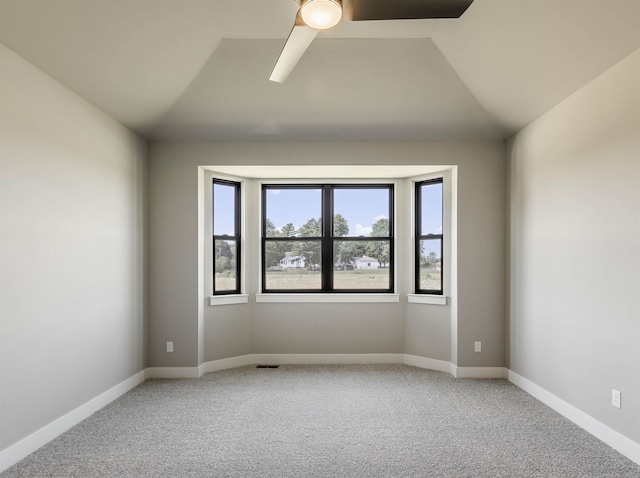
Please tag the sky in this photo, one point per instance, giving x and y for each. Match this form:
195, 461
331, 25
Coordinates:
431, 208
223, 209
360, 207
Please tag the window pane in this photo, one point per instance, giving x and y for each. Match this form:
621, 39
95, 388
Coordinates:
294, 212
430, 264
225, 265
224, 209
361, 265
431, 209
361, 212
293, 265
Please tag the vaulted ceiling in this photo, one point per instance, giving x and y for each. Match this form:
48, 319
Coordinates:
199, 69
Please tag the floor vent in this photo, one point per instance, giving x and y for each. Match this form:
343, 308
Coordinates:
267, 366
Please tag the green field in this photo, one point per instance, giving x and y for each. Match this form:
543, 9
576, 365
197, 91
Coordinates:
430, 279
303, 279
356, 279
224, 283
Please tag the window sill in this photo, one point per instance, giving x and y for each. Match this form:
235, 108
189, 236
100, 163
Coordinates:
229, 299
326, 298
427, 299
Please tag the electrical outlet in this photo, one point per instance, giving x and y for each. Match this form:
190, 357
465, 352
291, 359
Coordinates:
478, 347
169, 346
616, 398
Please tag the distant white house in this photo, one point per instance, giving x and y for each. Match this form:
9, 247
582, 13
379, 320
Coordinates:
292, 262
366, 262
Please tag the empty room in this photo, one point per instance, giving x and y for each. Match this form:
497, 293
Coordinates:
320, 238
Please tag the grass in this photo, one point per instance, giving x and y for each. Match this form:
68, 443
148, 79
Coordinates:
356, 279
224, 283
294, 279
302, 279
361, 279
430, 279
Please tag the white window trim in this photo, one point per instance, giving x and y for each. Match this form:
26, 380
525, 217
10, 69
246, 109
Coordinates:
328, 297
404, 254
430, 299
354, 297
229, 299
448, 245
223, 299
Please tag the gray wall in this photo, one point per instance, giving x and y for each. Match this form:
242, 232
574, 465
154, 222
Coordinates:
179, 311
575, 254
71, 248
327, 328
482, 241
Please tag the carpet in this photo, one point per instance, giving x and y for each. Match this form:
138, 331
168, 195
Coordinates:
326, 421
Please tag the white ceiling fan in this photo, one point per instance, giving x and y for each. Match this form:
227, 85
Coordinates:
316, 15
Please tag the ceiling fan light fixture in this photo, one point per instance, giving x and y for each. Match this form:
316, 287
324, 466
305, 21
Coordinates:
321, 14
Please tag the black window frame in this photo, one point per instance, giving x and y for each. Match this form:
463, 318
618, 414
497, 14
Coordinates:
420, 237
327, 239
237, 235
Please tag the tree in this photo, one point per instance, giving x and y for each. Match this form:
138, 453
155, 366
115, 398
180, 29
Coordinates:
310, 250
380, 228
273, 253
271, 229
380, 249
432, 258
223, 249
288, 230
340, 226
275, 250
280, 248
225, 258
349, 250
311, 228
340, 229
223, 264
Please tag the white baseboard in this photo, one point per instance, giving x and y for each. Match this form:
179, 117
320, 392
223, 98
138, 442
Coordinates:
16, 452
479, 372
224, 364
428, 363
172, 372
271, 359
615, 440
325, 359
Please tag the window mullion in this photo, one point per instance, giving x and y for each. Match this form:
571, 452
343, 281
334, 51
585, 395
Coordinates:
327, 238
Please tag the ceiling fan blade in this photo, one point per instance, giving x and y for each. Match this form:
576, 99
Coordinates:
358, 10
297, 43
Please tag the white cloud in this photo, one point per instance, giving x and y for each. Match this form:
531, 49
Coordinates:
381, 216
361, 230
439, 230
274, 191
